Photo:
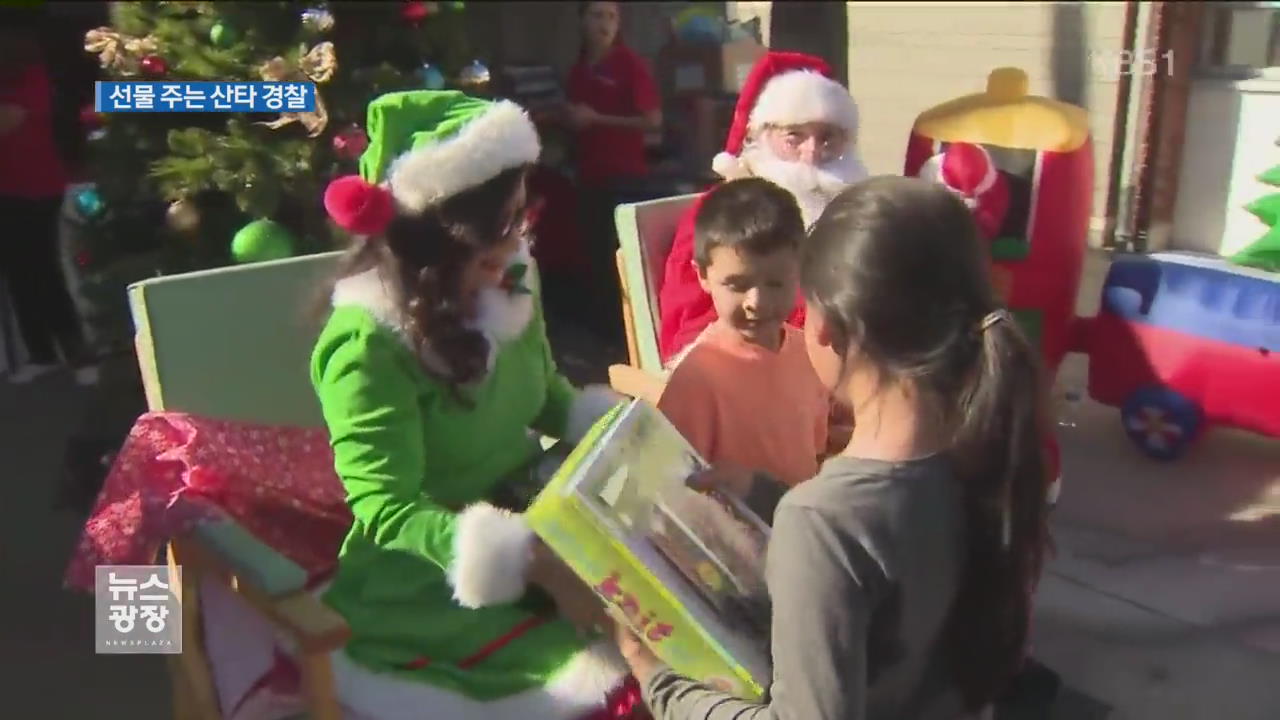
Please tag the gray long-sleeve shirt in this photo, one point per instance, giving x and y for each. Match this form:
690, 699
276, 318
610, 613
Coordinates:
862, 567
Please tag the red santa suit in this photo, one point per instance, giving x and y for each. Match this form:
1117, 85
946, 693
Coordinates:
782, 89
967, 170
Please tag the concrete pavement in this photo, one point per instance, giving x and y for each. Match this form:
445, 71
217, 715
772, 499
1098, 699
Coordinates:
1163, 602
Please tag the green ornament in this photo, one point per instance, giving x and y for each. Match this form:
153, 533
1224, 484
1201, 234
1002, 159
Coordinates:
261, 240
223, 35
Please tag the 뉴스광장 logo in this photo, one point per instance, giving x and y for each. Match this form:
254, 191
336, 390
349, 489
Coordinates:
137, 609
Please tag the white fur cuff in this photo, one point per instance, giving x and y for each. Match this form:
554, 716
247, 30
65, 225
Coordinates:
801, 97
590, 405
490, 557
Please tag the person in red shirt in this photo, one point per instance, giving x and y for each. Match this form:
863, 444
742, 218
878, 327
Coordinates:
33, 179
613, 100
794, 126
613, 103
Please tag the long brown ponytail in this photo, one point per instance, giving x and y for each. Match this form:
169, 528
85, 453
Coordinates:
999, 452
896, 268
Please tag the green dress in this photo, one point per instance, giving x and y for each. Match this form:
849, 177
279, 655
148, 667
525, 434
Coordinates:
430, 576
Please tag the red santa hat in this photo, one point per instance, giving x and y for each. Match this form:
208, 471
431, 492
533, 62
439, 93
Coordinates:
965, 168
785, 88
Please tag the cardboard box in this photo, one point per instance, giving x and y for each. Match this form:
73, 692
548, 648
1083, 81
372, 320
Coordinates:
685, 570
712, 117
720, 69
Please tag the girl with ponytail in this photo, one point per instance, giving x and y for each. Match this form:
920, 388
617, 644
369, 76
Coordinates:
900, 575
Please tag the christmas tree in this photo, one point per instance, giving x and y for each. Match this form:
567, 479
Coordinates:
1264, 252
183, 191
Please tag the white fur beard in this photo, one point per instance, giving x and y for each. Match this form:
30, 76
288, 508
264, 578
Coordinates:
813, 187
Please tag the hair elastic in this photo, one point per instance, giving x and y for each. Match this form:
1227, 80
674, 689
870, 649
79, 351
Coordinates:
992, 318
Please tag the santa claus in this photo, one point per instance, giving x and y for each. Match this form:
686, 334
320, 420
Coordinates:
968, 171
794, 126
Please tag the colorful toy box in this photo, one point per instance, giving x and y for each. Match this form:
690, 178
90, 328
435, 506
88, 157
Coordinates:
685, 568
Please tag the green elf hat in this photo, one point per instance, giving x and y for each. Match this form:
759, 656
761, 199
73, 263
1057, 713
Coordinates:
426, 146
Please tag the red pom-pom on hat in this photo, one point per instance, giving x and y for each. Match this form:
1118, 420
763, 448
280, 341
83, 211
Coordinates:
358, 207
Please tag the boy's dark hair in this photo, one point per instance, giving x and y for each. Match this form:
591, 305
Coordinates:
752, 215
901, 278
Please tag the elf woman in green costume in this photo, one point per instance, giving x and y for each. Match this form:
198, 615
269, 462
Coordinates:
432, 370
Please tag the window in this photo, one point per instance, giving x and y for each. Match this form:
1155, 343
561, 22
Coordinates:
1018, 166
1241, 40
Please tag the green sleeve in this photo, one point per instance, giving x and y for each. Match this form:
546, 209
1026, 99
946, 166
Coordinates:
368, 397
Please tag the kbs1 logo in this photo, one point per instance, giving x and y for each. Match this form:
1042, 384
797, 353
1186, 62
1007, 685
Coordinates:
141, 96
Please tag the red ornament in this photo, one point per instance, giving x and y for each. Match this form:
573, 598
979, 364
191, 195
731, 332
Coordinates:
358, 207
154, 65
416, 11
83, 259
349, 143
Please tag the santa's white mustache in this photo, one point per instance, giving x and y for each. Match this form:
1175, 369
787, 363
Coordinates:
802, 178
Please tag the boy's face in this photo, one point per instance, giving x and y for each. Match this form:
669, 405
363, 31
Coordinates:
753, 294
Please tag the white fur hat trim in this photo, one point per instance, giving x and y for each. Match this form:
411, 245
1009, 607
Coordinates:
502, 138
803, 96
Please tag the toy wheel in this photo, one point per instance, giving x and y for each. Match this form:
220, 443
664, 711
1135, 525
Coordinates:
1161, 421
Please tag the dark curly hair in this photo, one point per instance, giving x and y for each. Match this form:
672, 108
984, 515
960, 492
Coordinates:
425, 255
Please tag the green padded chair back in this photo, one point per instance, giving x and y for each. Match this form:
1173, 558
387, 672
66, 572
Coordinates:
645, 232
233, 343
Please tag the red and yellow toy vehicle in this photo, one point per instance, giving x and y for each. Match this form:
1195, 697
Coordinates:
1181, 342
1024, 164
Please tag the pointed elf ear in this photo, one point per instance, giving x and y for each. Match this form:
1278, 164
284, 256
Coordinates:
358, 207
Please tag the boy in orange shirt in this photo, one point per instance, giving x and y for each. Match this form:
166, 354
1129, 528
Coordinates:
744, 393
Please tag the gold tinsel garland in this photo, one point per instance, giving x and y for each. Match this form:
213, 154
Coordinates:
317, 65
117, 52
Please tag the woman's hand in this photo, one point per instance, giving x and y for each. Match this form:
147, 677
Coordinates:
575, 602
11, 116
581, 116
643, 663
730, 480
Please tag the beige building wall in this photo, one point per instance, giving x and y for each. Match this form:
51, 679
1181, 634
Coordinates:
905, 57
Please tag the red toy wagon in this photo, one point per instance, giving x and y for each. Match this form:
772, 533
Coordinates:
1182, 342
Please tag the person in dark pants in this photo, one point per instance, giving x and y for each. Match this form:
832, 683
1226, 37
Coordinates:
613, 102
33, 180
